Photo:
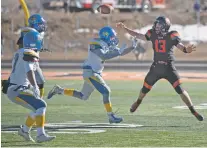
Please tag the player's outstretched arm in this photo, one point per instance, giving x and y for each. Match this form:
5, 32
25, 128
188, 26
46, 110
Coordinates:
131, 32
124, 50
190, 48
106, 54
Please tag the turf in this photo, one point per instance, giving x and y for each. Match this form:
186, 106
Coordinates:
162, 125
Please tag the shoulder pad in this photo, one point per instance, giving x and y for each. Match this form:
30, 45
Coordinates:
24, 30
30, 55
27, 29
97, 41
174, 35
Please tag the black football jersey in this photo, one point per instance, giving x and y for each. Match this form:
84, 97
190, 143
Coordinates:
163, 44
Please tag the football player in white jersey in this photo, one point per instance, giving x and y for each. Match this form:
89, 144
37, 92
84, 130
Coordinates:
100, 49
21, 79
38, 23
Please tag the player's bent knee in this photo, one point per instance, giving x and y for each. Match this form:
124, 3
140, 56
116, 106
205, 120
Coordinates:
106, 91
145, 90
41, 104
179, 89
41, 111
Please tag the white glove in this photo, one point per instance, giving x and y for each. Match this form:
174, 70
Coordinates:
134, 42
36, 91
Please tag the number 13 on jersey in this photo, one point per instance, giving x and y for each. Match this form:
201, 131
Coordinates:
160, 46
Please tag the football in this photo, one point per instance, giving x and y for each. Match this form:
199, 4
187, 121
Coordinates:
105, 9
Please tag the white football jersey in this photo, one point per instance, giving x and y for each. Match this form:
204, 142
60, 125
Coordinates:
94, 61
20, 67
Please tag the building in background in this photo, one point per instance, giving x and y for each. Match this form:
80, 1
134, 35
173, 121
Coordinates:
79, 5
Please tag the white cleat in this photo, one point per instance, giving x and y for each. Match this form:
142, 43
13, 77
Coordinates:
55, 90
44, 138
25, 135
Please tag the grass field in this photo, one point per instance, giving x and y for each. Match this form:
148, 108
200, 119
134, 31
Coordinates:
162, 124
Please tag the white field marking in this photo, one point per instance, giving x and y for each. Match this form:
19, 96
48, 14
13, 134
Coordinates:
185, 107
78, 131
67, 131
91, 125
203, 104
73, 127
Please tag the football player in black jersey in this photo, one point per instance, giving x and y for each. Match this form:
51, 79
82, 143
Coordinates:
163, 42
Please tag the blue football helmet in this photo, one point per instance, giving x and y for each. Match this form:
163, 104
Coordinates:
33, 40
108, 35
37, 22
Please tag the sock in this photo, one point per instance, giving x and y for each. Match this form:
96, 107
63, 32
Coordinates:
40, 131
68, 92
30, 121
42, 90
139, 101
109, 114
40, 121
192, 109
108, 107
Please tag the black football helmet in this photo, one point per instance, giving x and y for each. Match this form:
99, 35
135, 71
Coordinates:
161, 25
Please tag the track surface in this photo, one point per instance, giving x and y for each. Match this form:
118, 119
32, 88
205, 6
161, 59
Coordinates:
111, 75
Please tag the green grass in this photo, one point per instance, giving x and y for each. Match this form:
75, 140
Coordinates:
163, 125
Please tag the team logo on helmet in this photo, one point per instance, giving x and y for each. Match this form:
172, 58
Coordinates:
106, 34
33, 20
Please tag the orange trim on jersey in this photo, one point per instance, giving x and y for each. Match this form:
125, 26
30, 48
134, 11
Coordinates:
176, 83
147, 85
174, 35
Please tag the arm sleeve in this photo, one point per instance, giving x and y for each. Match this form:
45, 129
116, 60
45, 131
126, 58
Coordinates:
127, 50
175, 37
148, 35
105, 54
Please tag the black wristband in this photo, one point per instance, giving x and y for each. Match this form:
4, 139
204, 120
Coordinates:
184, 50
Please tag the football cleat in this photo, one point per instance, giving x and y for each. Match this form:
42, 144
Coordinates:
25, 135
114, 119
134, 107
55, 90
44, 138
198, 116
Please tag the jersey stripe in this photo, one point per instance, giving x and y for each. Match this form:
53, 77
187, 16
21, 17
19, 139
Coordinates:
94, 43
147, 85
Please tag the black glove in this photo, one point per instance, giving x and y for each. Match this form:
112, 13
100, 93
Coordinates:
4, 86
45, 50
